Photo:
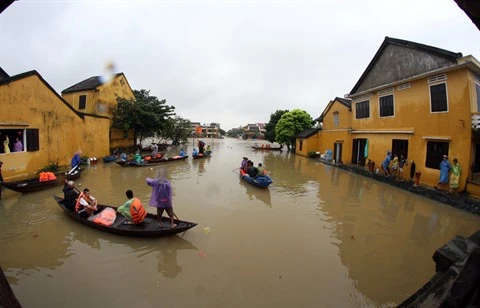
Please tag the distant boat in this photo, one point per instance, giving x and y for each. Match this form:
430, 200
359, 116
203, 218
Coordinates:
151, 162
110, 158
268, 149
34, 184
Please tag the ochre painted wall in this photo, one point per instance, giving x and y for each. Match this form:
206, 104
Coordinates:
332, 133
412, 112
73, 100
308, 145
61, 130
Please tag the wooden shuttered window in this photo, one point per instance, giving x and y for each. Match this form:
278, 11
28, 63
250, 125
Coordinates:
33, 142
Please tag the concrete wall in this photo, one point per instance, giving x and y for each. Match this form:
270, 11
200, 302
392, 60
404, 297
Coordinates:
28, 103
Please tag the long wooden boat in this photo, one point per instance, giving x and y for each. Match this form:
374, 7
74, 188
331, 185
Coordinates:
268, 149
33, 184
110, 158
149, 228
260, 181
152, 162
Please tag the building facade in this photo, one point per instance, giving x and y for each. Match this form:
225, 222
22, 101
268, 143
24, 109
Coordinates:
49, 129
98, 96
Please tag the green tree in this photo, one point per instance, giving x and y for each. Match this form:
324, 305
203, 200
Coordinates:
178, 129
270, 126
144, 114
292, 123
235, 132
221, 131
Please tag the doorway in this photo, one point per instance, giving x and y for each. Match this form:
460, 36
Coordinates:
337, 152
358, 151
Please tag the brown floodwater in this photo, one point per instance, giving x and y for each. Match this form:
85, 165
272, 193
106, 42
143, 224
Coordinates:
317, 237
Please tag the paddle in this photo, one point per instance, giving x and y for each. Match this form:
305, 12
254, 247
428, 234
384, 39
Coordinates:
74, 168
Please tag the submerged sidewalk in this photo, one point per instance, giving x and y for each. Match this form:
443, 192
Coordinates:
459, 201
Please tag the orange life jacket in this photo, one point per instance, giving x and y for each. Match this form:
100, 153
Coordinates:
137, 211
78, 206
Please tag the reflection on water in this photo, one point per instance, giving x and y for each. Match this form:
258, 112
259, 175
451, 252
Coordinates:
331, 237
253, 192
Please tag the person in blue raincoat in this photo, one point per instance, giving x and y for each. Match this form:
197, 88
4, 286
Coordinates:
386, 163
195, 152
444, 171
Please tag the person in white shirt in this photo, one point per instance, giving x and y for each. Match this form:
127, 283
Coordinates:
86, 204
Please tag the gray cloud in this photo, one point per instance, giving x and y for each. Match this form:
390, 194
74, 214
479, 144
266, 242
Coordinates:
228, 62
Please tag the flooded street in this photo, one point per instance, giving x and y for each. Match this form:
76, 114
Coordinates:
317, 237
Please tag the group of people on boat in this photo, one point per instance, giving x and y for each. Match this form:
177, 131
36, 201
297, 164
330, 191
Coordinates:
202, 151
133, 210
263, 146
248, 167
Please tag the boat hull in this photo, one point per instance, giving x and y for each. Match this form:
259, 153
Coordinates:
33, 184
149, 228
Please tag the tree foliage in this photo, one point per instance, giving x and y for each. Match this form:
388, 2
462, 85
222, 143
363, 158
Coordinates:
292, 123
144, 114
270, 126
235, 132
178, 129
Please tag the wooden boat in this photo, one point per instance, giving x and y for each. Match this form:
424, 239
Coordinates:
261, 181
202, 156
33, 184
7, 297
110, 158
268, 149
149, 228
152, 162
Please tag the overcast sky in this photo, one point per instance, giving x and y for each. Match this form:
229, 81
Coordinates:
230, 62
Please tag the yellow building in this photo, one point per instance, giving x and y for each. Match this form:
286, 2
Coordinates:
306, 141
48, 129
98, 96
336, 121
418, 101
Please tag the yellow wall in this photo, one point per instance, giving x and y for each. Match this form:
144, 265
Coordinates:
308, 145
61, 130
102, 100
341, 133
412, 112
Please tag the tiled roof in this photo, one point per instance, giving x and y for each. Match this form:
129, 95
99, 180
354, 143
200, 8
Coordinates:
87, 84
306, 133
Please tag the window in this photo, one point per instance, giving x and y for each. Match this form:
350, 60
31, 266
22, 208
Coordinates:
301, 145
386, 105
362, 110
82, 102
438, 97
435, 152
335, 119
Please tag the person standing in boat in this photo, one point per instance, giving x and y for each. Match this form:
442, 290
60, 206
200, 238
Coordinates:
133, 209
161, 197
70, 195
201, 146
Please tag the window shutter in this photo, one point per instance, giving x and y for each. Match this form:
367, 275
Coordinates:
33, 143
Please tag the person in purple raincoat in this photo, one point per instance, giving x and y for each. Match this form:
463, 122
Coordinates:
162, 197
